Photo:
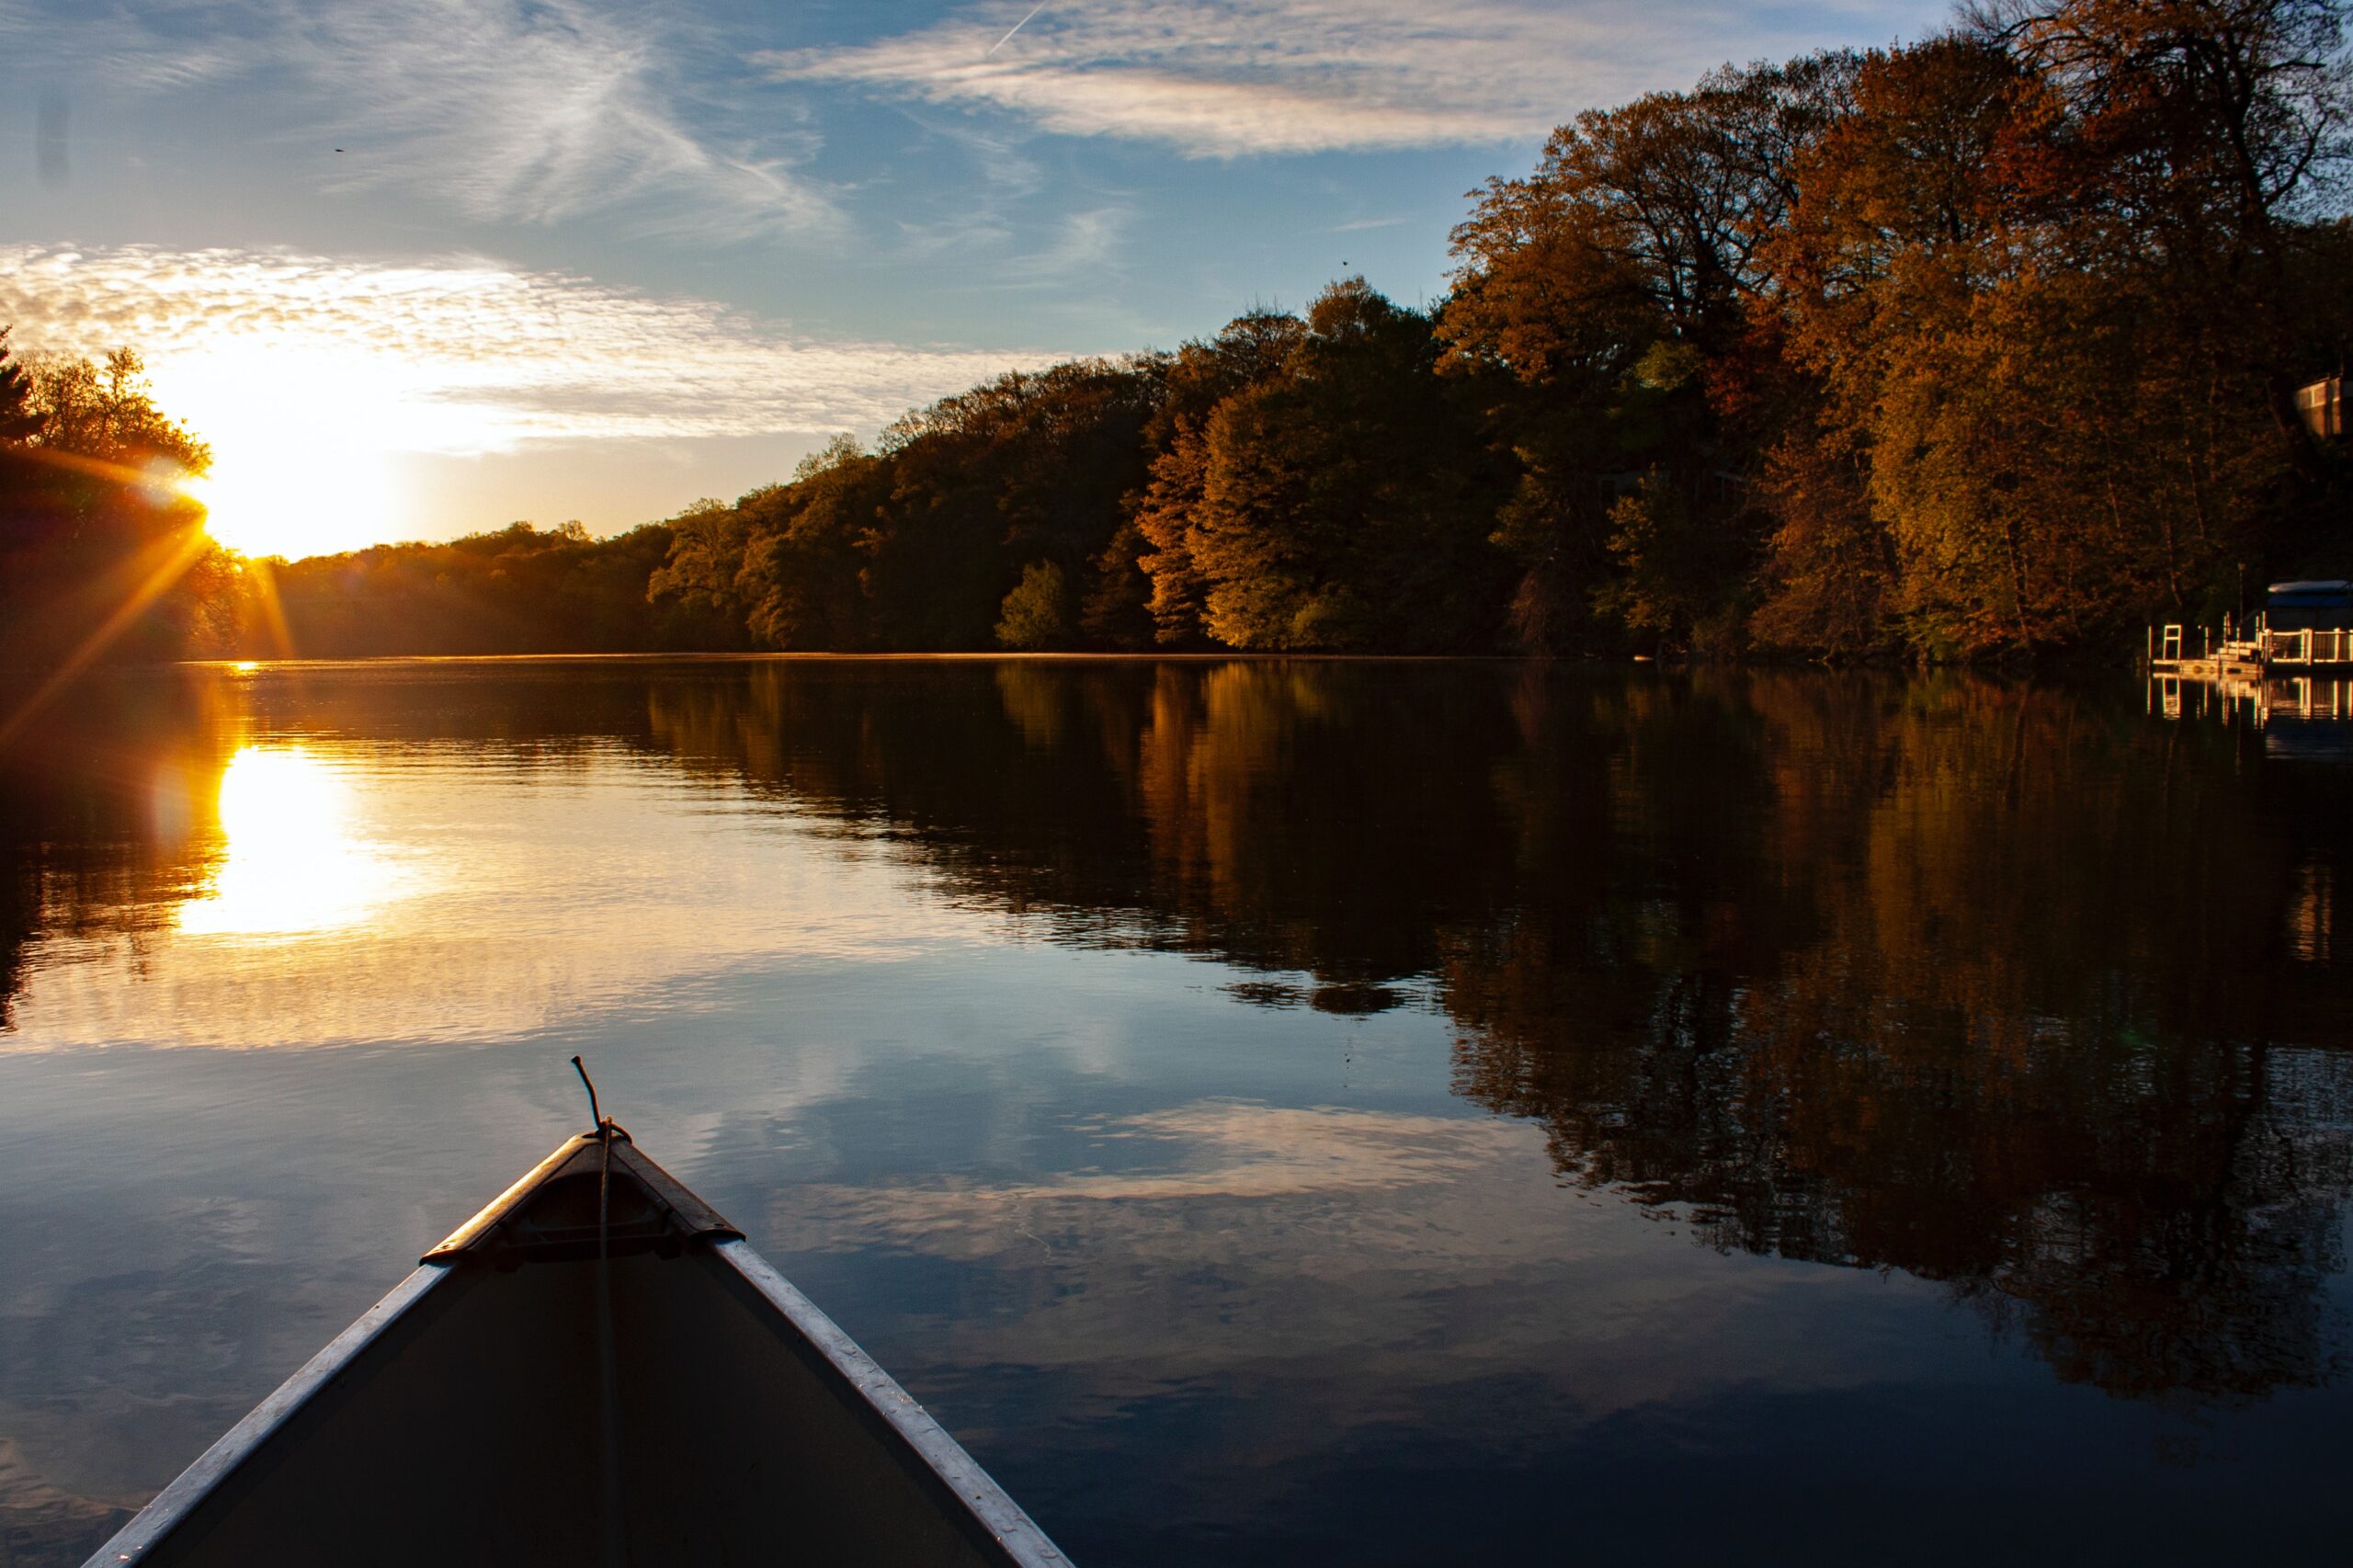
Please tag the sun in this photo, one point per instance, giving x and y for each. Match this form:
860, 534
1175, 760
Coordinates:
268, 496
301, 464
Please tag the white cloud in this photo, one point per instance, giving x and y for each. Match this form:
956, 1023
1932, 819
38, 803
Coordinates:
459, 356
506, 110
1225, 77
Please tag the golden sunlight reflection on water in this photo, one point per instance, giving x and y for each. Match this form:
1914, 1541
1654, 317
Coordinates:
329, 891
293, 865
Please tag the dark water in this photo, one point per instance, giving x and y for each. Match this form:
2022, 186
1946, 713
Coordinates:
1270, 1112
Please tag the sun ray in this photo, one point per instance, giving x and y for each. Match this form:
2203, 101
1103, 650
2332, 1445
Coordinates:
156, 568
263, 580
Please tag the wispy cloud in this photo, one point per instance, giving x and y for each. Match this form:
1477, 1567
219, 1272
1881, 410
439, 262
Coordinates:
1085, 243
1224, 77
459, 356
507, 110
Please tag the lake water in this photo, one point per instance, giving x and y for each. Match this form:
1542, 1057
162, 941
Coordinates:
1270, 1112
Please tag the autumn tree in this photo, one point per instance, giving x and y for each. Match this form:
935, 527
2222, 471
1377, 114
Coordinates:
1250, 351
1641, 226
2038, 279
1899, 228
1342, 503
102, 552
17, 418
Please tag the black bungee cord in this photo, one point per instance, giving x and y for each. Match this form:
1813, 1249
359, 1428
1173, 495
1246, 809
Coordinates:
616, 1551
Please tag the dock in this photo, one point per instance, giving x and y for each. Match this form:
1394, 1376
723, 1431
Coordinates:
2215, 668
2273, 649
2290, 676
2238, 659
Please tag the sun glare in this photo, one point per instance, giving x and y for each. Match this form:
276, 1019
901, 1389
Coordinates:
273, 498
293, 866
291, 474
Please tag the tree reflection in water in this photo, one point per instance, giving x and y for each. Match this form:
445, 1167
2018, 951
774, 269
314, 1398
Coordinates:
2000, 986
109, 809
2007, 988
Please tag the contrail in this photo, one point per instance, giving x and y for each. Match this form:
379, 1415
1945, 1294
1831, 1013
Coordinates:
1015, 28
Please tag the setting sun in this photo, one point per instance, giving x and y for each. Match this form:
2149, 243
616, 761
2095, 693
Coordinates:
291, 475
287, 499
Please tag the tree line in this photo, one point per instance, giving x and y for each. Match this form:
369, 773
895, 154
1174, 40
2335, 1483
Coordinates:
520, 589
1982, 349
104, 554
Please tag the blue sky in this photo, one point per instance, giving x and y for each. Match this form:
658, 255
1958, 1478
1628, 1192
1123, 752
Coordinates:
589, 260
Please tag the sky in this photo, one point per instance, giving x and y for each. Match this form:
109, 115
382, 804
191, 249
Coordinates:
421, 267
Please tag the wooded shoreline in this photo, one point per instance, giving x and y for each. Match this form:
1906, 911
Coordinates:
1983, 349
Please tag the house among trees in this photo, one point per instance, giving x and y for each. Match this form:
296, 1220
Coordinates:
2322, 406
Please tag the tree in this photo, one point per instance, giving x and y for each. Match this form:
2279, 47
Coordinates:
102, 552
1036, 614
107, 412
1342, 503
1641, 226
1031, 466
1906, 213
1249, 351
2038, 283
16, 417
2213, 125
707, 543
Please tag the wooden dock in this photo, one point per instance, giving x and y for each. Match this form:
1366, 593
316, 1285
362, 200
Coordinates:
2263, 672
2214, 668
2246, 659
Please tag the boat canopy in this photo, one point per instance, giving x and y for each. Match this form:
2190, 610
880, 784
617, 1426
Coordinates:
2331, 593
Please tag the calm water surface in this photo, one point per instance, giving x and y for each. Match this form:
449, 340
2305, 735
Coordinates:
1270, 1112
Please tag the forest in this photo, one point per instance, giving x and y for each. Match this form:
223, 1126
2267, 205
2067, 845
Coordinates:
1983, 349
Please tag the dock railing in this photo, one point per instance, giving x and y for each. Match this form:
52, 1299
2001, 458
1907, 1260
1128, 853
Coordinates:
2307, 646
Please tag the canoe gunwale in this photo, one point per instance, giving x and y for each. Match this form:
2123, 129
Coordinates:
975, 1490
193, 1487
